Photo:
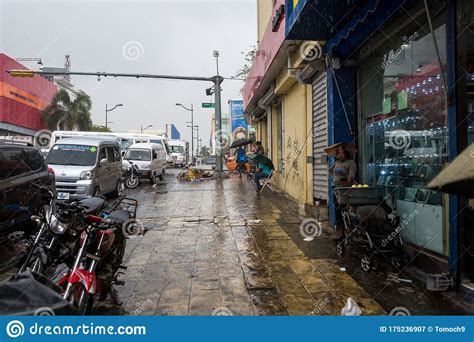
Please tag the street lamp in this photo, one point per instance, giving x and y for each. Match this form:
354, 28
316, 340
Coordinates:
144, 128
107, 110
192, 128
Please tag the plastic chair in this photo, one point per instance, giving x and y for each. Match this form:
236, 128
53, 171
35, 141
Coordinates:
266, 183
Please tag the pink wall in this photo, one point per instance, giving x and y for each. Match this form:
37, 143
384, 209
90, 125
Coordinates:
266, 53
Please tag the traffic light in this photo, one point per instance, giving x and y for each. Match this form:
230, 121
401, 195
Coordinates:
209, 91
21, 73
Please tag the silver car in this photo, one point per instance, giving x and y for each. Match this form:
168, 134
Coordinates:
87, 166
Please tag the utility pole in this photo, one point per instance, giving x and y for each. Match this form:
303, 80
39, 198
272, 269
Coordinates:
197, 140
192, 128
217, 87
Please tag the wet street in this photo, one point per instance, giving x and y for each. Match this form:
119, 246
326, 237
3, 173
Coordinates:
217, 247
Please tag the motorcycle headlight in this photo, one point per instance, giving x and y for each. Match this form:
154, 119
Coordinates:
57, 226
86, 175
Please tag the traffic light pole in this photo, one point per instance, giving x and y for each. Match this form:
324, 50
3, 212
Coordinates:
219, 164
217, 80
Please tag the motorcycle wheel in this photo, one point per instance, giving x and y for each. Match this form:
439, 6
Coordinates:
80, 299
132, 183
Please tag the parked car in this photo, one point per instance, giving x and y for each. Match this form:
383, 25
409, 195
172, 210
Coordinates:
21, 165
150, 160
88, 166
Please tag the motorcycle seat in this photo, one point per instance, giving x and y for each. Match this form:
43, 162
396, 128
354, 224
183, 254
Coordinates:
93, 205
119, 216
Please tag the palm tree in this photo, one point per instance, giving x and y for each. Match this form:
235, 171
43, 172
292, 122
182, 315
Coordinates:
64, 114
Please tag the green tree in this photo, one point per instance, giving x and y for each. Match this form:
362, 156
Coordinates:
204, 153
64, 114
96, 128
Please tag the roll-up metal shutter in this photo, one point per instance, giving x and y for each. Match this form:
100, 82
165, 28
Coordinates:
320, 136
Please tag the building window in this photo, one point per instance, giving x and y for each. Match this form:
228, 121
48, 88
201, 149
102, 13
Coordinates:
404, 120
280, 136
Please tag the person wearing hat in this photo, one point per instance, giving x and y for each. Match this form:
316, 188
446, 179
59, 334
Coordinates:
344, 169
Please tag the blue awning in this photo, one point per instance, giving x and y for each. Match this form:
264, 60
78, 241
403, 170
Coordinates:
362, 25
317, 19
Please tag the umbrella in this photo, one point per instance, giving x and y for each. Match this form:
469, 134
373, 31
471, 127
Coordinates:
458, 177
241, 142
261, 159
331, 150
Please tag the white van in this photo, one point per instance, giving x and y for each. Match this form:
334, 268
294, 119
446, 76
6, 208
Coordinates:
150, 160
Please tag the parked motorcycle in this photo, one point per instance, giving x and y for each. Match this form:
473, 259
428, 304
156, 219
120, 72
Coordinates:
100, 254
55, 242
130, 174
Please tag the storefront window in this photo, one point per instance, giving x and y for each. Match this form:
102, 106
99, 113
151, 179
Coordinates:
404, 125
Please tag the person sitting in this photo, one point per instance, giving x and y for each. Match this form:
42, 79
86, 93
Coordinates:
259, 148
241, 160
263, 171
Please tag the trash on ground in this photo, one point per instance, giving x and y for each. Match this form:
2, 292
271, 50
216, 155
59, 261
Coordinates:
308, 239
343, 269
194, 175
351, 308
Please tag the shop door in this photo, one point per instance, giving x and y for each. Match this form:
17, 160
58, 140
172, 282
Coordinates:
320, 137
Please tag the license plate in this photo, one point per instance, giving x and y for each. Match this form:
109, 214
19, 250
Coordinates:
63, 195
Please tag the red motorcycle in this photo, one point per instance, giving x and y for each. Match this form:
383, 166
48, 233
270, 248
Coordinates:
100, 254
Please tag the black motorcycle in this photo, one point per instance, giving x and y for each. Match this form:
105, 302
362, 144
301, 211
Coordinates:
59, 227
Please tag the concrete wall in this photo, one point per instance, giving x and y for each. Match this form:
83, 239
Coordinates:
297, 143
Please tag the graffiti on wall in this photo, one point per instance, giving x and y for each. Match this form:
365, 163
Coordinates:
292, 160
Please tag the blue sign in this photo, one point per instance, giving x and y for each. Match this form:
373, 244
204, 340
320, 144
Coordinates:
239, 126
248, 329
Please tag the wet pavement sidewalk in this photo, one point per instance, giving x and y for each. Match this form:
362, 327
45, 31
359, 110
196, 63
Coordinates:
216, 247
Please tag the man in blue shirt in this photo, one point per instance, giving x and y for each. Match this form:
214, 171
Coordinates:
264, 170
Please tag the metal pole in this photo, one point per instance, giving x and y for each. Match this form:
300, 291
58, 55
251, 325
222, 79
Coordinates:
106, 119
220, 137
192, 134
197, 141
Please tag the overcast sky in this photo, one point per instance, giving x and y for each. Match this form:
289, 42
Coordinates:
160, 37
